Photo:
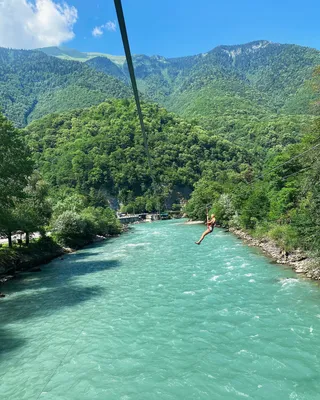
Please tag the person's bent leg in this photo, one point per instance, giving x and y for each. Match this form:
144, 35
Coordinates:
205, 233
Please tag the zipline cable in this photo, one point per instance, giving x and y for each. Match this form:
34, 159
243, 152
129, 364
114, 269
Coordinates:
288, 161
126, 46
296, 173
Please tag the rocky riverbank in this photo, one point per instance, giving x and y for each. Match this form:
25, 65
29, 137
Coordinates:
300, 262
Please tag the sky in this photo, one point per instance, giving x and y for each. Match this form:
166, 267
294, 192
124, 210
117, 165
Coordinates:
170, 28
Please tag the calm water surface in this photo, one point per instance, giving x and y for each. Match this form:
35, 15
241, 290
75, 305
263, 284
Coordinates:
150, 315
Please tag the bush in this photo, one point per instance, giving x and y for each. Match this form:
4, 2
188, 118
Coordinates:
72, 229
285, 236
256, 209
224, 210
102, 220
261, 231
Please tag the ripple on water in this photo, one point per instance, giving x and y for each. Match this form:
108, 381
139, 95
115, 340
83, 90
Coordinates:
145, 328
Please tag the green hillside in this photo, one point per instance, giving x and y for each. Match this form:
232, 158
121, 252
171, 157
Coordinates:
238, 91
103, 64
33, 84
239, 83
101, 148
258, 77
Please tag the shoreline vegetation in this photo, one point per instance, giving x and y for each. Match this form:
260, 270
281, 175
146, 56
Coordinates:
299, 261
28, 259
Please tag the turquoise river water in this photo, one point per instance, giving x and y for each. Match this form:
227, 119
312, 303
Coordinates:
150, 315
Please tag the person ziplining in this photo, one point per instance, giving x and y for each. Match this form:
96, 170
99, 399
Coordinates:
210, 226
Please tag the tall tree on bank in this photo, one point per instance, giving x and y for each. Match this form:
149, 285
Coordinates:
33, 211
15, 168
308, 218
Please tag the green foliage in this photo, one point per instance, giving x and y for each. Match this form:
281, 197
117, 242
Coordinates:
15, 163
72, 229
247, 93
256, 208
103, 64
77, 218
204, 195
15, 168
73, 201
249, 111
286, 236
33, 212
33, 84
306, 216
103, 220
225, 211
101, 149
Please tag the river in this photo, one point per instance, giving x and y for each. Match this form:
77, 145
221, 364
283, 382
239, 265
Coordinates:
150, 315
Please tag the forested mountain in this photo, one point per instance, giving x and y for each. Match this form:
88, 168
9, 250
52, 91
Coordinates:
250, 114
257, 77
241, 92
65, 53
98, 154
103, 64
33, 84
101, 149
254, 78
230, 85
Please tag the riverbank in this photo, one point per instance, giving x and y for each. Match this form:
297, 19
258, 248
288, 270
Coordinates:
23, 259
299, 261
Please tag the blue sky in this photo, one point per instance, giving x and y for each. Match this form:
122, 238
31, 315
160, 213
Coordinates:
184, 27
166, 27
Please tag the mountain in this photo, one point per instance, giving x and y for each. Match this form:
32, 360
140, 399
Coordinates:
66, 53
101, 148
241, 91
103, 64
33, 84
258, 77
228, 87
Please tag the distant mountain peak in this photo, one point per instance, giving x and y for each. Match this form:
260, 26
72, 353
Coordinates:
246, 48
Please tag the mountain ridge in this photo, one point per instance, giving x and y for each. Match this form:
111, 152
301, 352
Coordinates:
255, 78
33, 84
59, 51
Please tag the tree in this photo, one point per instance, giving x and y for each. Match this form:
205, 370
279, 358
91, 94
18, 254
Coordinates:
33, 211
224, 210
256, 208
15, 168
204, 195
71, 229
103, 220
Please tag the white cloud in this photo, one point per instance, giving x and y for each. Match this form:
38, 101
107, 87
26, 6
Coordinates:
30, 25
111, 26
99, 30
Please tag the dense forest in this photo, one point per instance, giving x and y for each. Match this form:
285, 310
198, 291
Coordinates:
27, 203
280, 198
237, 84
255, 78
33, 84
247, 144
100, 150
